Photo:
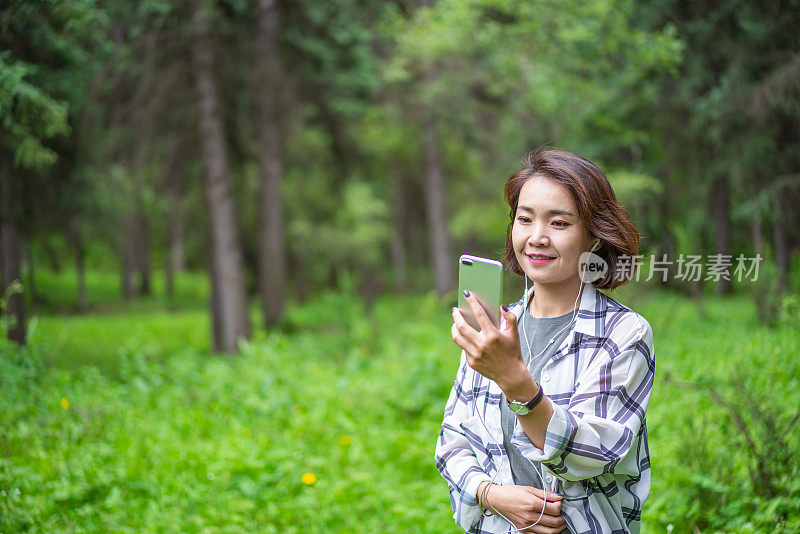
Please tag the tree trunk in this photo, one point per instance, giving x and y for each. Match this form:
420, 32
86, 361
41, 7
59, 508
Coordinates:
142, 257
54, 259
80, 271
369, 286
301, 288
720, 193
29, 263
758, 234
272, 250
779, 238
169, 278
216, 310
415, 230
175, 257
668, 240
128, 259
226, 255
398, 238
10, 255
436, 209
175, 241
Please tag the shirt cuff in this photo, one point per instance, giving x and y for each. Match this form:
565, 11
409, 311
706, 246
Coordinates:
560, 430
468, 511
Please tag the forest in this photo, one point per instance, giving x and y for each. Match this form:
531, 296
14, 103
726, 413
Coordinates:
214, 211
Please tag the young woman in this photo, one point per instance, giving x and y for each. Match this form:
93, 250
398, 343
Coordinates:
545, 425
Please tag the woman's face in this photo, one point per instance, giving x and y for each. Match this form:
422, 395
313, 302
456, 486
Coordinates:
547, 224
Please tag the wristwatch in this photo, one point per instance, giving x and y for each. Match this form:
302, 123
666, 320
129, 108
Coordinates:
524, 408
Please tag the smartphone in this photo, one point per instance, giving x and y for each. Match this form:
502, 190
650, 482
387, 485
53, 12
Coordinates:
484, 279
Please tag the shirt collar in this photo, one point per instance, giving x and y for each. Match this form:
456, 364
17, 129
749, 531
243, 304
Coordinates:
591, 318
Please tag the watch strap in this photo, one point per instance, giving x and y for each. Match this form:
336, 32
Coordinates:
530, 405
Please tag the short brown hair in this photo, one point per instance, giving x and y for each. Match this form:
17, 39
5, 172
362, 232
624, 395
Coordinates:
597, 204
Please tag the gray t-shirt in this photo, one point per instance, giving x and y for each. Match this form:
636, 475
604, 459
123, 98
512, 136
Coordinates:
539, 332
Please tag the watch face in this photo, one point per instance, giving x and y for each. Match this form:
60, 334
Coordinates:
518, 408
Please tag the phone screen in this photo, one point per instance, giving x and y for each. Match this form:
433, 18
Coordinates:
484, 279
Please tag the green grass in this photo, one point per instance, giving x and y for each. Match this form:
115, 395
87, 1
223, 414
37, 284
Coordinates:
68, 342
155, 326
56, 292
121, 421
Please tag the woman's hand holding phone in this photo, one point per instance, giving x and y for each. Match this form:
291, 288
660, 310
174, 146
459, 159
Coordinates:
492, 352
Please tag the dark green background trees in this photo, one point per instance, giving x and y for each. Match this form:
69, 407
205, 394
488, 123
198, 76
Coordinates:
282, 146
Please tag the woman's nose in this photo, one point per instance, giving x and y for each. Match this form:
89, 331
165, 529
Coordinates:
538, 235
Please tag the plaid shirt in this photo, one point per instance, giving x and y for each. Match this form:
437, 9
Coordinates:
595, 451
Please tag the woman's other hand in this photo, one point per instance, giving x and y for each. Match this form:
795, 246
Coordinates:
492, 352
522, 505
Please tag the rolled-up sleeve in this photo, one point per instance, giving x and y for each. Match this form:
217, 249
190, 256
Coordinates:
454, 456
597, 432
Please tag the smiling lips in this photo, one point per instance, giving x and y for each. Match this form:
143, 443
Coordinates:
539, 259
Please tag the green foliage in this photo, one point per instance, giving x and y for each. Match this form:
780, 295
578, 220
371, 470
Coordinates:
570, 67
500, 78
724, 115
196, 443
174, 439
362, 224
790, 311
704, 471
48, 57
332, 40
665, 96
355, 235
28, 115
9, 321
56, 291
634, 187
766, 294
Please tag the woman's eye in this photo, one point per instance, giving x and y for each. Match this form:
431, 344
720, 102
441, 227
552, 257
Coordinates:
523, 219
561, 223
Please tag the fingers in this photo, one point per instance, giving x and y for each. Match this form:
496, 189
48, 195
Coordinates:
459, 339
552, 506
538, 529
463, 334
543, 529
547, 524
480, 312
511, 320
542, 494
460, 322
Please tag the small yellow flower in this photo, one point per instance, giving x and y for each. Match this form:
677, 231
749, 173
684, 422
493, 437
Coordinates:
344, 441
64, 403
247, 433
308, 478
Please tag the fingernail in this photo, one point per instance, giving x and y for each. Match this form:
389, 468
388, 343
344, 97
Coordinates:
466, 292
505, 308
453, 309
